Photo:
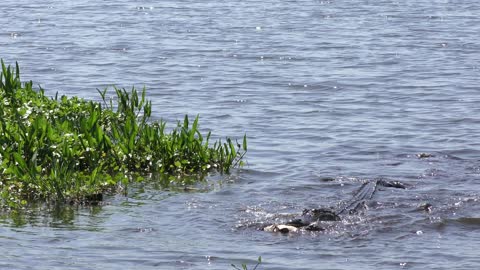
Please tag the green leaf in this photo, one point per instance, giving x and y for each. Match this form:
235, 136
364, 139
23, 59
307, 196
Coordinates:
185, 122
245, 143
233, 152
20, 160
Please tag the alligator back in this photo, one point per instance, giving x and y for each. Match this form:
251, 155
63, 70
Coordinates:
357, 202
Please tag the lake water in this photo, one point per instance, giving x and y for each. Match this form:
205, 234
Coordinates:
330, 94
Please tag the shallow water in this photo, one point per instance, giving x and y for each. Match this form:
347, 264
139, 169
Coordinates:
330, 94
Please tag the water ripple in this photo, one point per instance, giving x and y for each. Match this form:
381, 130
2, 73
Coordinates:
330, 95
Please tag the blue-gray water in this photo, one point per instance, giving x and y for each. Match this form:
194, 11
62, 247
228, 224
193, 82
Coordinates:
338, 90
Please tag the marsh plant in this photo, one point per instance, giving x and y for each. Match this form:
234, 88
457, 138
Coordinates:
245, 267
67, 149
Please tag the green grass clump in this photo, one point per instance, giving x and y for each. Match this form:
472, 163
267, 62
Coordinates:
71, 150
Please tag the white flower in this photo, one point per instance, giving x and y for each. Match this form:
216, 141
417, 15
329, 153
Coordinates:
27, 113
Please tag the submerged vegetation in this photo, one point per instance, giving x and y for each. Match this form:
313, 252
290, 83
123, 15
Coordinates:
67, 149
245, 267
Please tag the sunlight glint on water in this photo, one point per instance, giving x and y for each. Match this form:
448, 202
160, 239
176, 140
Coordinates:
330, 94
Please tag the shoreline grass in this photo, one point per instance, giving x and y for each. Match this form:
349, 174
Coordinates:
67, 149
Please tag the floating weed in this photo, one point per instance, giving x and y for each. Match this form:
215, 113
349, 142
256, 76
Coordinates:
245, 267
71, 150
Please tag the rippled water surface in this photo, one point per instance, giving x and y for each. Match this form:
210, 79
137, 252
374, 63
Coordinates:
330, 93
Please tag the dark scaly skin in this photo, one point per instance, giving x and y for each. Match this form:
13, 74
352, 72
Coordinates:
394, 184
310, 217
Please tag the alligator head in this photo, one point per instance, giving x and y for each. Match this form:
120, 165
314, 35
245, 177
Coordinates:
310, 216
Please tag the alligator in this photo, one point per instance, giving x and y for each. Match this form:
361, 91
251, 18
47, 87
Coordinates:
310, 219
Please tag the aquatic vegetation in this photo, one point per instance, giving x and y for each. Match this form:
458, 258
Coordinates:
67, 149
245, 267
